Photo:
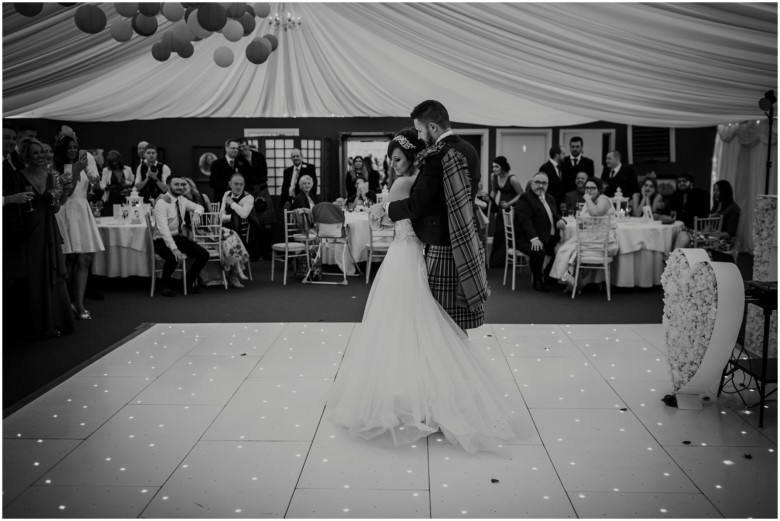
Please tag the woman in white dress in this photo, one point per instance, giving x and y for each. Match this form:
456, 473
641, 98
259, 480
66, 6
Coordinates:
80, 236
410, 370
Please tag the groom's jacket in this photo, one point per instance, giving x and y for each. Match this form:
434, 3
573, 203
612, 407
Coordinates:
427, 204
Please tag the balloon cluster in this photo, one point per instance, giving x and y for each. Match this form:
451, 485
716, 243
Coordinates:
192, 22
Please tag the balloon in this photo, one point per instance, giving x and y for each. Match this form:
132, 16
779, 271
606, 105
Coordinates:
90, 19
168, 41
233, 31
186, 50
236, 10
31, 9
212, 17
248, 23
121, 30
250, 10
195, 27
172, 11
149, 8
160, 53
144, 25
181, 31
262, 9
223, 56
273, 40
126, 9
258, 51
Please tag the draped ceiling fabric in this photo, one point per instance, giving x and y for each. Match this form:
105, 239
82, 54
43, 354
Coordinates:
497, 64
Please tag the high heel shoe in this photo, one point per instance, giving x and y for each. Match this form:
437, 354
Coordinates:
84, 316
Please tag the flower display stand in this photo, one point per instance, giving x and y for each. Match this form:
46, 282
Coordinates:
703, 307
765, 270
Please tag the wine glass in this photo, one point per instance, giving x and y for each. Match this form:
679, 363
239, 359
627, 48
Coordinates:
29, 188
56, 189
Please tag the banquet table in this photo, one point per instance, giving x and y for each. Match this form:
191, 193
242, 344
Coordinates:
641, 248
357, 227
126, 253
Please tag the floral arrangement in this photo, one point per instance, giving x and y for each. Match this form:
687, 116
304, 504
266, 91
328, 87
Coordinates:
690, 307
764, 247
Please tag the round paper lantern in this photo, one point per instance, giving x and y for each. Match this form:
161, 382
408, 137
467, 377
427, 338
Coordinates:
66, 4
31, 9
90, 19
195, 27
233, 31
181, 31
236, 10
188, 11
172, 11
262, 9
160, 53
126, 9
121, 30
168, 41
223, 56
250, 10
274, 41
212, 17
186, 50
149, 8
258, 51
144, 25
248, 23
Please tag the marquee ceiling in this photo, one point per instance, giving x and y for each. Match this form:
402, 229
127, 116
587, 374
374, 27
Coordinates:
501, 64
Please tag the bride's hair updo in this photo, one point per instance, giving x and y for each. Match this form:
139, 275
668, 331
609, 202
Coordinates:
407, 142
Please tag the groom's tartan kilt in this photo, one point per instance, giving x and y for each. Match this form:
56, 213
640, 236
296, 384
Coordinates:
443, 280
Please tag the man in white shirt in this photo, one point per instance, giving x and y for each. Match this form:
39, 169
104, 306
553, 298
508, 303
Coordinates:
152, 176
169, 243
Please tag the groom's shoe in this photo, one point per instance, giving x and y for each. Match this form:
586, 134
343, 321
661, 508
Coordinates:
539, 286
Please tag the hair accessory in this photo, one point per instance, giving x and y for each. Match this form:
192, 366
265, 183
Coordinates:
405, 143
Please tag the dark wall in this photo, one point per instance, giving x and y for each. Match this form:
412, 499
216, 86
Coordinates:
694, 146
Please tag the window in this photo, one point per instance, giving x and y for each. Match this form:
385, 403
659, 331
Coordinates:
650, 145
277, 155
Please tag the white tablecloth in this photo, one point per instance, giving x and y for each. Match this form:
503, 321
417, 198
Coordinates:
641, 248
126, 252
357, 226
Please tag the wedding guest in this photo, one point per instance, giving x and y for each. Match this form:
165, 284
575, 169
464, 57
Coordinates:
357, 170
223, 169
304, 198
505, 190
235, 211
575, 163
25, 131
576, 197
293, 173
596, 205
647, 196
48, 152
11, 160
141, 150
688, 201
537, 225
553, 169
363, 196
116, 182
39, 304
151, 177
722, 204
373, 175
617, 175
252, 165
80, 236
169, 241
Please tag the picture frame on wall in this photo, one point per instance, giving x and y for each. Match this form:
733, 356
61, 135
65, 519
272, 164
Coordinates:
202, 157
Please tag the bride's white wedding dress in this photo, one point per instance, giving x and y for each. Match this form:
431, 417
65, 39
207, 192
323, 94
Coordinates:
410, 370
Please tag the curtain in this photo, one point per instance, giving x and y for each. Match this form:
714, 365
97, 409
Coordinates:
740, 158
497, 64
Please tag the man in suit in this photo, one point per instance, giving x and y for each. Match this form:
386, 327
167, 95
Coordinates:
538, 222
11, 159
617, 175
253, 165
688, 201
575, 163
292, 174
223, 169
554, 170
446, 225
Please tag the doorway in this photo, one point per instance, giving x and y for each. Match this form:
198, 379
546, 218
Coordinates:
363, 144
596, 142
525, 150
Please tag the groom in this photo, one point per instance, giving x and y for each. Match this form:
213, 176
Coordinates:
441, 211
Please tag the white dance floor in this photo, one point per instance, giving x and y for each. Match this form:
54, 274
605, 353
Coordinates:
226, 420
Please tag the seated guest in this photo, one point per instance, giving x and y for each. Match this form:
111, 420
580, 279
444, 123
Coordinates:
576, 196
169, 240
152, 176
537, 224
363, 196
722, 204
236, 215
304, 198
357, 170
223, 169
688, 201
617, 175
647, 196
596, 205
116, 182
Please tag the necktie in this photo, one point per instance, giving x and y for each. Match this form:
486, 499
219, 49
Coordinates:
612, 174
576, 160
557, 172
549, 214
178, 215
230, 162
294, 181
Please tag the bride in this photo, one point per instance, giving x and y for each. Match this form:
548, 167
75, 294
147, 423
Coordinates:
410, 370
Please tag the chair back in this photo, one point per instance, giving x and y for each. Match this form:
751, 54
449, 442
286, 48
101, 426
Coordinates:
593, 239
509, 227
707, 225
329, 221
209, 233
214, 207
291, 226
149, 237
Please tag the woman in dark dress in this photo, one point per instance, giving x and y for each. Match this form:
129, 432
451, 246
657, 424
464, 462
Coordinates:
36, 262
505, 190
